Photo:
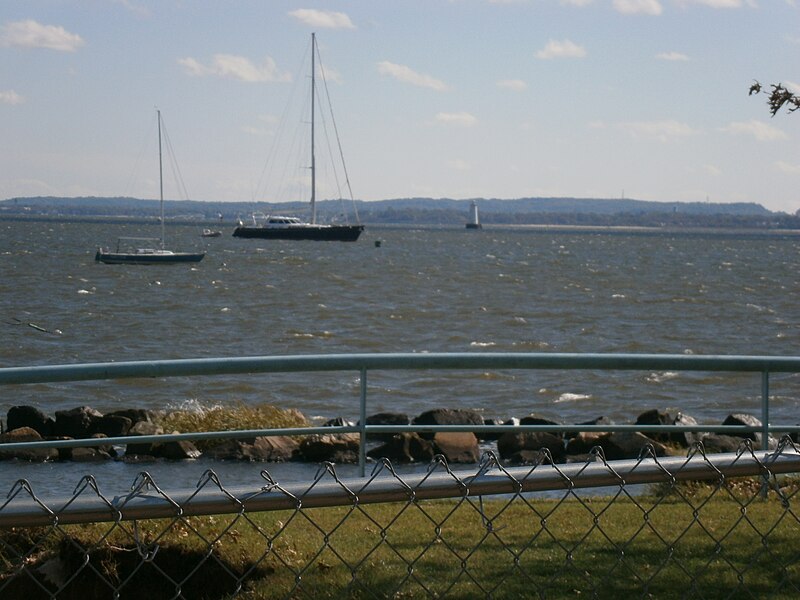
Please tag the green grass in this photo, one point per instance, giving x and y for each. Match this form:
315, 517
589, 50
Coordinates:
697, 541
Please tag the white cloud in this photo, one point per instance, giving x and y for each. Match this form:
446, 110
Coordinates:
712, 170
672, 56
408, 75
758, 129
717, 3
512, 84
576, 2
660, 130
10, 97
788, 168
30, 34
638, 7
235, 67
561, 49
322, 18
460, 118
793, 87
458, 165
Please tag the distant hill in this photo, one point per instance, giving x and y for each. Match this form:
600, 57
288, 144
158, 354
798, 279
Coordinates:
423, 211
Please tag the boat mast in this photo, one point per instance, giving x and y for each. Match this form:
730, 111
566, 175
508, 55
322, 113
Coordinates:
160, 179
313, 158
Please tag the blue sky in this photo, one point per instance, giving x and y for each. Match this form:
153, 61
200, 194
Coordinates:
441, 98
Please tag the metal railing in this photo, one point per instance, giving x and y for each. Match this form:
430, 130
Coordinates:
487, 532
364, 363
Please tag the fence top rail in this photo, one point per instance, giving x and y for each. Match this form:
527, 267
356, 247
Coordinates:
394, 361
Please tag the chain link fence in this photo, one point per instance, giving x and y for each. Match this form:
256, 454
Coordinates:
704, 526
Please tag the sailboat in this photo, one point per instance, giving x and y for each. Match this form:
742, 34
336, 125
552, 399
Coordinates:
132, 251
474, 222
279, 227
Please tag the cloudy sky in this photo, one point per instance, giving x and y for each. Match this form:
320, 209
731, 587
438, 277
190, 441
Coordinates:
441, 98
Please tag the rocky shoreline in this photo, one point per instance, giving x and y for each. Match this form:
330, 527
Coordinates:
27, 424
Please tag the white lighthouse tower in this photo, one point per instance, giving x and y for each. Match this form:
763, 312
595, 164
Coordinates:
474, 222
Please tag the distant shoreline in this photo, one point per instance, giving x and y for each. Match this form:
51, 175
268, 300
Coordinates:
530, 228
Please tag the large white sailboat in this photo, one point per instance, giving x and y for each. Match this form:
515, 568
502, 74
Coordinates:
143, 250
280, 227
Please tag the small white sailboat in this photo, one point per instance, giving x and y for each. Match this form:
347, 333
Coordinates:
474, 222
279, 227
131, 251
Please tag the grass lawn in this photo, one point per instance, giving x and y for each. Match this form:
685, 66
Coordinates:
694, 541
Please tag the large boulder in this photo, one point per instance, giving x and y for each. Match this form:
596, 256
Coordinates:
447, 416
621, 445
511, 443
534, 419
657, 417
112, 425
77, 423
258, 449
596, 421
386, 418
145, 448
29, 416
404, 448
457, 447
750, 421
25, 434
134, 414
335, 448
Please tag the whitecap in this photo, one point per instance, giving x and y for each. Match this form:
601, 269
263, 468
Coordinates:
482, 344
85, 292
661, 377
224, 309
569, 397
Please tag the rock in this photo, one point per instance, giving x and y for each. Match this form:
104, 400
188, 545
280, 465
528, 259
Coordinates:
583, 442
491, 436
534, 419
29, 416
387, 418
528, 458
180, 450
25, 434
146, 448
336, 448
624, 444
77, 423
447, 416
404, 448
656, 417
263, 448
750, 421
596, 421
338, 422
717, 442
457, 447
510, 443
112, 425
134, 414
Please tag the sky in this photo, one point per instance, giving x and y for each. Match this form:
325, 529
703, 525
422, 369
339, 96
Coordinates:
644, 99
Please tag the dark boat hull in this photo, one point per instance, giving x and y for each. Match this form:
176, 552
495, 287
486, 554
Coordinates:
133, 258
323, 233
474, 226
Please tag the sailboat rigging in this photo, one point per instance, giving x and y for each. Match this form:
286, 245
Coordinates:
279, 227
148, 255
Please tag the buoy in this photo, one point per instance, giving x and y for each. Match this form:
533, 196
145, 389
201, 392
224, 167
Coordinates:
377, 243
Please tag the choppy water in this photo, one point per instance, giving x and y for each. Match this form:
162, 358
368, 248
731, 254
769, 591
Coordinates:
446, 290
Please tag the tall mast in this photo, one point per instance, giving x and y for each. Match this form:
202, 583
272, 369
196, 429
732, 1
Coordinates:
160, 179
313, 158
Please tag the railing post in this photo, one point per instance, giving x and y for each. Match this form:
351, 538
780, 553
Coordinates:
362, 423
765, 409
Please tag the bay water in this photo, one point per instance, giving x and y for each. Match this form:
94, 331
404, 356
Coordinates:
418, 290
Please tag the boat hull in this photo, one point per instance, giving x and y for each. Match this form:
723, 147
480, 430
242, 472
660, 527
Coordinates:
133, 258
322, 233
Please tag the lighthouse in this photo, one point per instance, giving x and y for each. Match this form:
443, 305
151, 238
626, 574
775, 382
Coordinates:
474, 222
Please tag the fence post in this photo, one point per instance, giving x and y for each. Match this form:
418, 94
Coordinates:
765, 409
362, 423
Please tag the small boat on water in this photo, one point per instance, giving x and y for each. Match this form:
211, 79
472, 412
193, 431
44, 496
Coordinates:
152, 253
279, 227
474, 222
211, 233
